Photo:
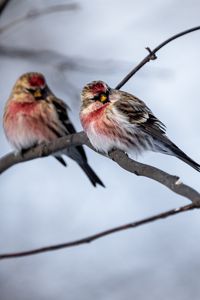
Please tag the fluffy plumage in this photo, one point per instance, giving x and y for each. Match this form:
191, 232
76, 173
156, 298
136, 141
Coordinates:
33, 115
116, 119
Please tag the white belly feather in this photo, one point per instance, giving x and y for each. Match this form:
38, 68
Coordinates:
20, 136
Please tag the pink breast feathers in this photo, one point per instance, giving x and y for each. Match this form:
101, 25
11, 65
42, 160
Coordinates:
17, 107
97, 121
94, 116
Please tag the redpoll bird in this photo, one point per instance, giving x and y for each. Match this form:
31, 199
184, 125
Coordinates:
114, 119
33, 115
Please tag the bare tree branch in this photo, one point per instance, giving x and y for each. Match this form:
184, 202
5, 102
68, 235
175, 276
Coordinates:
99, 235
32, 14
170, 181
152, 55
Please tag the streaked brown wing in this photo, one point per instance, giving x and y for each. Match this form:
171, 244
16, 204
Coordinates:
139, 114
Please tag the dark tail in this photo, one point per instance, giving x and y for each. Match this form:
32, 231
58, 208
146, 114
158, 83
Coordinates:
86, 168
181, 155
61, 160
91, 174
164, 145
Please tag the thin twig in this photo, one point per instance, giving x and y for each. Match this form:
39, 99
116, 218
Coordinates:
152, 56
32, 14
99, 235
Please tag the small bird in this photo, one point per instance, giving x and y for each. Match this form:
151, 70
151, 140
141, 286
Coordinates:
34, 115
114, 119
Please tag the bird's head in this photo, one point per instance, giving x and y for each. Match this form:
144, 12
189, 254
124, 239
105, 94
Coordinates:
32, 84
95, 94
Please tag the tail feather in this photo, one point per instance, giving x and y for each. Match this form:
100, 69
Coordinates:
171, 149
61, 160
181, 155
91, 174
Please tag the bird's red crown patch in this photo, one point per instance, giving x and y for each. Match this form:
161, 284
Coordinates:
36, 80
98, 87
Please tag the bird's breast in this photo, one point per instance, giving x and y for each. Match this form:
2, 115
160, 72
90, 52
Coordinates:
15, 108
21, 124
94, 117
101, 128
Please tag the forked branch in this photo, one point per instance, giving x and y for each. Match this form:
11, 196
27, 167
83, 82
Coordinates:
152, 55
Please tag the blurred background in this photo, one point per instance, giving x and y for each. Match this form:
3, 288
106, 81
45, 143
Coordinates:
43, 203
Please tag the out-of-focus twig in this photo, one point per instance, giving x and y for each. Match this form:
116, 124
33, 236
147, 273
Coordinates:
64, 64
99, 235
3, 5
35, 13
58, 60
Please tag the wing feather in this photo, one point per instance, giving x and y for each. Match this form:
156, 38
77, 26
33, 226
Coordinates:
139, 114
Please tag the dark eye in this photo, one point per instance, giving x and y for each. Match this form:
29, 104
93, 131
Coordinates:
38, 93
33, 91
96, 97
102, 97
30, 90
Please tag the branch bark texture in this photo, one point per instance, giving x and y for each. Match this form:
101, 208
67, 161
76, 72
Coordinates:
170, 181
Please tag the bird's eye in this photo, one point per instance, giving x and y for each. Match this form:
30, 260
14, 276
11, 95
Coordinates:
102, 97
38, 93
29, 90
96, 97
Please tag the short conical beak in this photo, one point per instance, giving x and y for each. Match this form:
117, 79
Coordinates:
38, 93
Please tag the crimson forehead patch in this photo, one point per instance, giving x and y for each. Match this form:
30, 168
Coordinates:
36, 80
98, 87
